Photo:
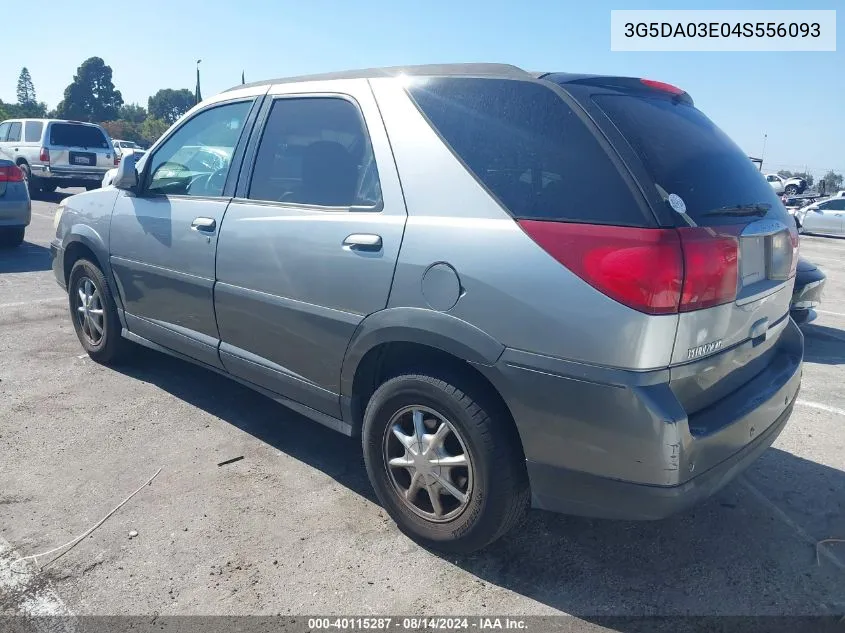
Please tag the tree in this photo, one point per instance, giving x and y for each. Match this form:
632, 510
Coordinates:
132, 112
168, 104
4, 112
92, 95
152, 128
832, 181
124, 130
28, 105
26, 89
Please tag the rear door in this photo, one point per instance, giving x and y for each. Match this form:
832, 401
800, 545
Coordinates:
164, 237
309, 246
79, 147
836, 207
739, 241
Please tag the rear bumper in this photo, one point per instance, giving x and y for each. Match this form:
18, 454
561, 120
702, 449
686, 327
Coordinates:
618, 444
15, 208
57, 259
86, 176
809, 287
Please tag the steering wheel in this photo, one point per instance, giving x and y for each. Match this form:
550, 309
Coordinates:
216, 181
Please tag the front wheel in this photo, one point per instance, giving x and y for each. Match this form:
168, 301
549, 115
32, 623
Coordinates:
94, 313
445, 462
791, 190
12, 237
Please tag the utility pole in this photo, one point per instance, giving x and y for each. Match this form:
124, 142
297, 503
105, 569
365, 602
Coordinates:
763, 153
198, 94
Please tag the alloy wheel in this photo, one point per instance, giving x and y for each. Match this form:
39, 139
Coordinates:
429, 465
89, 311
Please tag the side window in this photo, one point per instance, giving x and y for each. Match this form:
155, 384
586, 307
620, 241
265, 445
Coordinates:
195, 160
528, 148
836, 205
32, 131
15, 131
4, 131
316, 151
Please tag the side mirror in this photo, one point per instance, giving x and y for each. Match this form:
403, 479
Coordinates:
126, 176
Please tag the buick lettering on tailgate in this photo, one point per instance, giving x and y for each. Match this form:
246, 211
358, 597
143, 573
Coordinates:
703, 350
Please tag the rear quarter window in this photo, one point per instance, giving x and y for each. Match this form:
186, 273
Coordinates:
525, 144
75, 135
32, 131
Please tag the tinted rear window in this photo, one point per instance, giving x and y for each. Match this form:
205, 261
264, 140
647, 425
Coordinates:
685, 153
71, 135
532, 152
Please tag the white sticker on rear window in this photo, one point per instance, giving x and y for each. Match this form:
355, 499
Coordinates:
677, 203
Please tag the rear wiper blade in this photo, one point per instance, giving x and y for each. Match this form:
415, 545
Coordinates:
761, 208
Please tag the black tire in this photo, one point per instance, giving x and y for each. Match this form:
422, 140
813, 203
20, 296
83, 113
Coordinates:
792, 190
32, 185
12, 237
47, 187
800, 316
111, 345
797, 223
499, 494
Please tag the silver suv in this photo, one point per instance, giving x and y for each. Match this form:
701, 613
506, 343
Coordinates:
56, 153
517, 289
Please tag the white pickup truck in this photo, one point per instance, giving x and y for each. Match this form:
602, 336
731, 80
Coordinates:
790, 186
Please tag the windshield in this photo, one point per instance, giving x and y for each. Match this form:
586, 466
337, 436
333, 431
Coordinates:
687, 155
76, 135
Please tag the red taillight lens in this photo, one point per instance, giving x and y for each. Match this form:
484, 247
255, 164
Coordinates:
641, 268
662, 86
44, 156
11, 173
657, 271
711, 267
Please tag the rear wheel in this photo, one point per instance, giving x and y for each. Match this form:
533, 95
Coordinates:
800, 316
32, 185
791, 190
47, 187
94, 313
12, 237
446, 465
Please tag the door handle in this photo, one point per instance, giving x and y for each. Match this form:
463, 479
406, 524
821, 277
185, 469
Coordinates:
206, 225
363, 242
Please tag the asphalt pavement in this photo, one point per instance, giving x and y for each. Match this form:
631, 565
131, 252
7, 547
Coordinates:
294, 528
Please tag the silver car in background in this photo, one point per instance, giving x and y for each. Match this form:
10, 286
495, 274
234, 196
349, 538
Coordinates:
57, 153
516, 289
15, 206
824, 217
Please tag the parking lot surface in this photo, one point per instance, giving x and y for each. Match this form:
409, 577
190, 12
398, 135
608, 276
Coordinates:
293, 527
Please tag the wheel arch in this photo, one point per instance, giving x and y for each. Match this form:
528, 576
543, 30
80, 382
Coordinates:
83, 242
399, 339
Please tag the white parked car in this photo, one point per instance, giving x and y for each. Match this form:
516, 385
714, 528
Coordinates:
121, 146
789, 186
824, 216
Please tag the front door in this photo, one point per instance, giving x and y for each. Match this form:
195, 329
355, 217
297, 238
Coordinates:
163, 239
309, 247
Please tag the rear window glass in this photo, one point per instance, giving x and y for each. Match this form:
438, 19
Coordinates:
686, 154
531, 151
32, 131
71, 135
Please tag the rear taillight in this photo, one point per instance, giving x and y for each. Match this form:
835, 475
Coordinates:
44, 156
657, 271
641, 268
793, 238
711, 267
11, 173
116, 160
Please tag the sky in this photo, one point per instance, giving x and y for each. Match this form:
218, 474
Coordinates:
796, 99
